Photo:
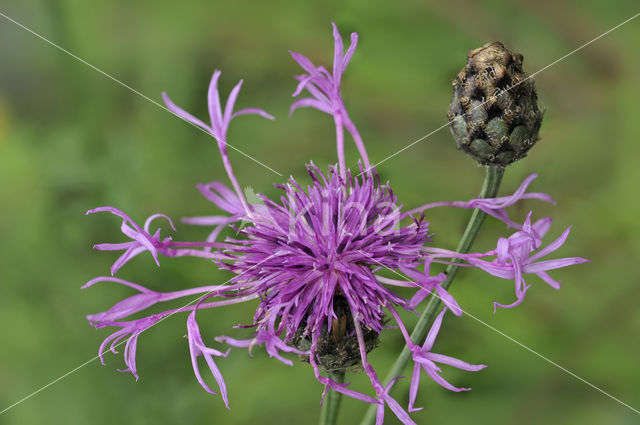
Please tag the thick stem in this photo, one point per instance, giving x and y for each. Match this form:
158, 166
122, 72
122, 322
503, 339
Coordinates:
492, 180
331, 405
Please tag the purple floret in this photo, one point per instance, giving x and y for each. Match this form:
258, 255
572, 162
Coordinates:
324, 242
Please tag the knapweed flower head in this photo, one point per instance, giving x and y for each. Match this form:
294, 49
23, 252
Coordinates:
315, 259
494, 113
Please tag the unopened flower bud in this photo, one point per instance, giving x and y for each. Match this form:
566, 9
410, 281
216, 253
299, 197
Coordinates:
494, 113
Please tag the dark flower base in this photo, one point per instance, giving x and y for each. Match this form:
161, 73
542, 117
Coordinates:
337, 350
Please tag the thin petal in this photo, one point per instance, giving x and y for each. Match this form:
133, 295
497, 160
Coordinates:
555, 284
147, 222
255, 111
304, 62
228, 109
542, 226
350, 51
337, 54
311, 103
413, 389
433, 332
552, 246
451, 361
542, 266
443, 382
184, 114
215, 110
449, 301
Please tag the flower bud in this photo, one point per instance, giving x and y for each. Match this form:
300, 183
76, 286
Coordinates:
494, 113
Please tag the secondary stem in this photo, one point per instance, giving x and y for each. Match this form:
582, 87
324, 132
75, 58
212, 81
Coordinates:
331, 406
492, 180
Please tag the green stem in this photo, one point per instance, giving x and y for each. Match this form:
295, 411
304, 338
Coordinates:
331, 405
492, 179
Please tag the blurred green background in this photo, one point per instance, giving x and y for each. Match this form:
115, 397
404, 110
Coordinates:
71, 139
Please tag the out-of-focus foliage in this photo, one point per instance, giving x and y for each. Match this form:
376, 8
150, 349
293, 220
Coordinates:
71, 139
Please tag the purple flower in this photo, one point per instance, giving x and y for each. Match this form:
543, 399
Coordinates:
325, 241
314, 258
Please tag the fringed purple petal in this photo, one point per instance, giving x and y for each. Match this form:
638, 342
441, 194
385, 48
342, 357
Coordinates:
131, 229
198, 348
